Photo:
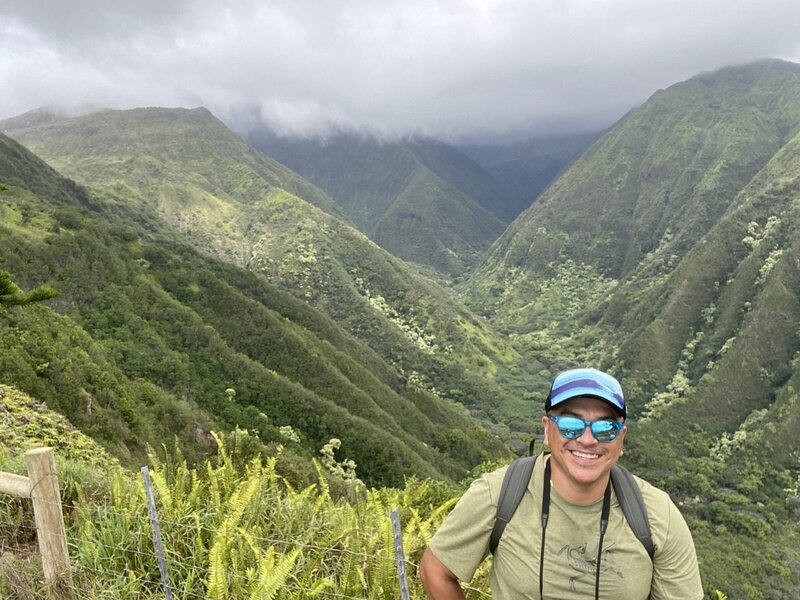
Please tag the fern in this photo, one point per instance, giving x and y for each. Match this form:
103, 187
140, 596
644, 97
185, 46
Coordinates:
217, 571
385, 571
273, 573
164, 494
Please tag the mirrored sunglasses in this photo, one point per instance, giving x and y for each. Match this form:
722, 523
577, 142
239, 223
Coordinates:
603, 430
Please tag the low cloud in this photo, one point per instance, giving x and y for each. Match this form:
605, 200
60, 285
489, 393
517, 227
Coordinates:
447, 68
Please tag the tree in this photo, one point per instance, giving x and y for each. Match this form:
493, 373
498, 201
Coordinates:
11, 294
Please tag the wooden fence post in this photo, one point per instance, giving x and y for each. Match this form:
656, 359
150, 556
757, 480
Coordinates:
49, 518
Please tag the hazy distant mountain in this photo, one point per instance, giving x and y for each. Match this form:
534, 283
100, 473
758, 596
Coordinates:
526, 168
419, 199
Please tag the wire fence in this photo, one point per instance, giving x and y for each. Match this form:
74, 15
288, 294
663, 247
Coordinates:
84, 571
131, 562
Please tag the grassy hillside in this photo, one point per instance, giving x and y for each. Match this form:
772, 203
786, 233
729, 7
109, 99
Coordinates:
721, 353
221, 196
160, 159
148, 339
29, 424
419, 199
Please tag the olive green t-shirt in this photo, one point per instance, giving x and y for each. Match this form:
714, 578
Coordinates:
571, 544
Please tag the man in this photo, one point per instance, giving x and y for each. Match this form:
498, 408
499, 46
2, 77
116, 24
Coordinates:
584, 429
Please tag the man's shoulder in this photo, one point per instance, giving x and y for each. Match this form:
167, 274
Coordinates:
493, 480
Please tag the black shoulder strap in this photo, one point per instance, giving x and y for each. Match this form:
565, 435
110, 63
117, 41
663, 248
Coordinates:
514, 485
628, 493
632, 503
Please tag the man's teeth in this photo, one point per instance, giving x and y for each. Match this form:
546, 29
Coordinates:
585, 454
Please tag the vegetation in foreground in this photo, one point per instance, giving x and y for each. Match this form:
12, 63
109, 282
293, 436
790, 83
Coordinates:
232, 527
235, 527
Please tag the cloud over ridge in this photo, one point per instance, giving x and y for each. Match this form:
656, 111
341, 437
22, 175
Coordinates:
446, 68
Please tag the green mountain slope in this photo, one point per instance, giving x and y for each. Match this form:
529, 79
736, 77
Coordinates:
719, 368
656, 183
30, 424
450, 207
159, 158
148, 339
412, 323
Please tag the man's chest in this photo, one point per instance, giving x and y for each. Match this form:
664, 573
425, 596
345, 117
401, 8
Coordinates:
570, 563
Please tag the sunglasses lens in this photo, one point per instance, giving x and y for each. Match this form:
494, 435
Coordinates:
605, 431
570, 427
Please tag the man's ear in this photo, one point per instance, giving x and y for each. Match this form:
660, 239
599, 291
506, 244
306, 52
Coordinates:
545, 421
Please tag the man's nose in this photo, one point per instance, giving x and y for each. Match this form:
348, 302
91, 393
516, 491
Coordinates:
586, 437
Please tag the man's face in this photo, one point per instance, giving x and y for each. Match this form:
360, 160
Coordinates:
582, 465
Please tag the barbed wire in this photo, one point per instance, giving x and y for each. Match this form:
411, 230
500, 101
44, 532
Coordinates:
82, 569
170, 527
119, 558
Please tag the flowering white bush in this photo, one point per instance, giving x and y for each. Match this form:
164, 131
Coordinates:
345, 469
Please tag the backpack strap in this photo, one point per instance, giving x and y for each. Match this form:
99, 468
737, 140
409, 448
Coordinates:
632, 503
515, 482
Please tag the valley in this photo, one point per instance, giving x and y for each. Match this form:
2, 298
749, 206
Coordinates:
404, 298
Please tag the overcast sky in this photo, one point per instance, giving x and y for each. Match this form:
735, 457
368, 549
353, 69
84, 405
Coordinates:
445, 68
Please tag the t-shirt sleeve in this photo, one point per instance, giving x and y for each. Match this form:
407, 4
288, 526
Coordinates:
462, 541
675, 570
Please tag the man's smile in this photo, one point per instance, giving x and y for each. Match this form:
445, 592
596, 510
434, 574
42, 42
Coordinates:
587, 455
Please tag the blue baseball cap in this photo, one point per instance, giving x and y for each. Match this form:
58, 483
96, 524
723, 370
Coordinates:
586, 382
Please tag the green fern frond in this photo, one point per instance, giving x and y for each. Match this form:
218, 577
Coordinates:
273, 573
195, 490
425, 532
271, 471
214, 488
442, 511
321, 585
217, 573
238, 503
164, 493
384, 564
220, 443
152, 458
199, 541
